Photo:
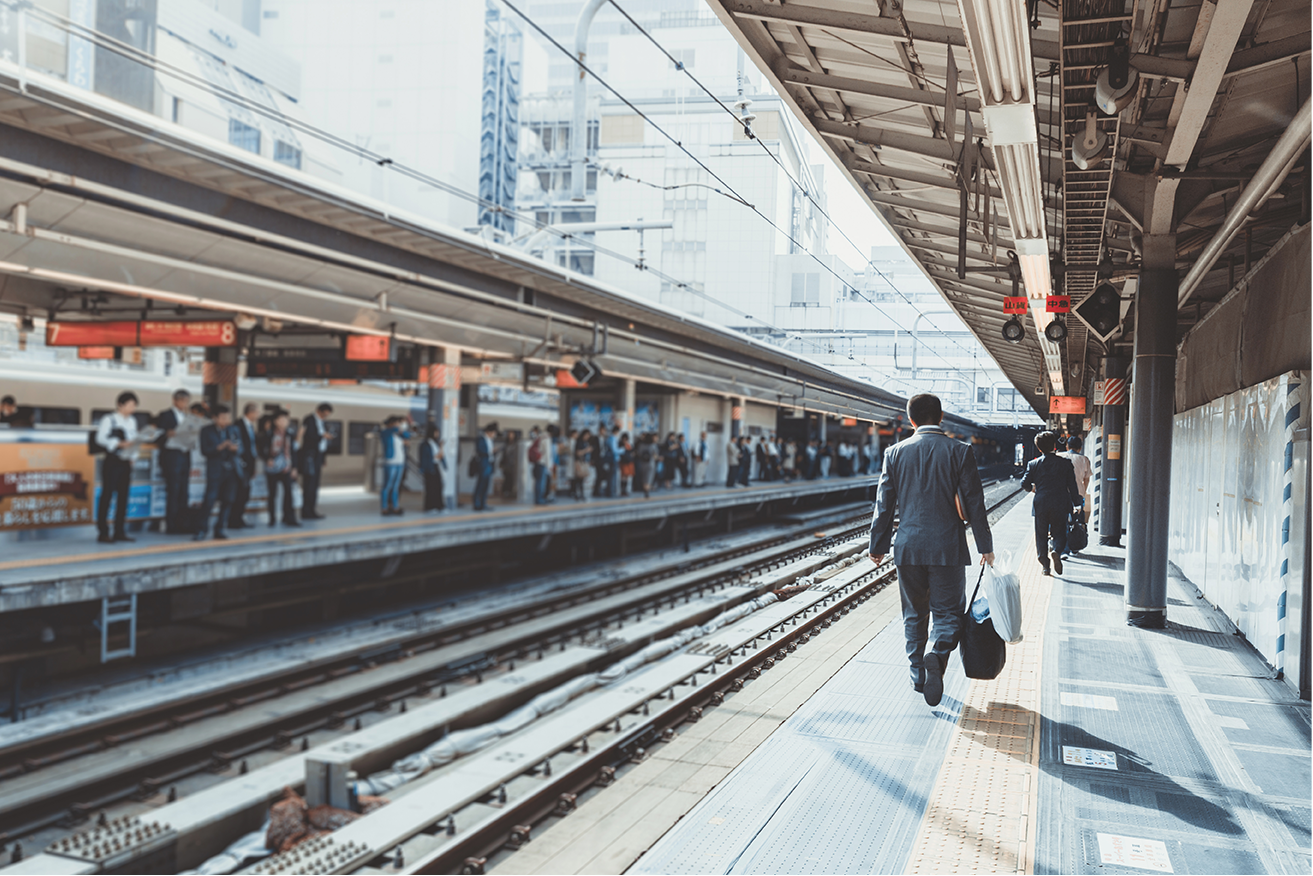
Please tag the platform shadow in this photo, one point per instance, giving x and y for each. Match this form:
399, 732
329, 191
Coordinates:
999, 741
1166, 796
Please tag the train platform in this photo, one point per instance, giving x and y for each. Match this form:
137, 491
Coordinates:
44, 573
1100, 748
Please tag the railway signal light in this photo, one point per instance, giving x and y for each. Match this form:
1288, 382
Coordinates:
1101, 311
1013, 331
583, 371
1056, 331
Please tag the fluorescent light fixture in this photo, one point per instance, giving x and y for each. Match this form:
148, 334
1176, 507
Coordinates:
998, 40
1035, 274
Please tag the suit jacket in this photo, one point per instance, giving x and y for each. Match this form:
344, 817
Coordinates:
310, 459
1053, 479
920, 478
483, 452
220, 462
246, 432
430, 462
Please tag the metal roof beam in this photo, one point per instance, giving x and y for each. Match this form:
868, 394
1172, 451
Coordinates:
879, 137
1241, 62
851, 22
798, 76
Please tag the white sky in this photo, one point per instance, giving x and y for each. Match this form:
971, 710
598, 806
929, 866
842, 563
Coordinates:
849, 212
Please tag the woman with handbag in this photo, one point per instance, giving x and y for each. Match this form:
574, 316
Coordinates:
278, 450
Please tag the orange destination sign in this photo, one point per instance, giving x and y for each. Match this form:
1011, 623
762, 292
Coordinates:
1066, 404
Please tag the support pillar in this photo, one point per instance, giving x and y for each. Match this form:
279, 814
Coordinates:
624, 417
1150, 469
873, 438
1110, 478
824, 418
735, 417
220, 378
444, 410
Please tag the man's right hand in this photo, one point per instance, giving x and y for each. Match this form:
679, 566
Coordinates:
987, 559
877, 558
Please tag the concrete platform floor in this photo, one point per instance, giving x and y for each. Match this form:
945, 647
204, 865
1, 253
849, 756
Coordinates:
1100, 748
353, 530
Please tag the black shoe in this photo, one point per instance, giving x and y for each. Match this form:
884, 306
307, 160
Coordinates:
311, 516
200, 536
1045, 572
220, 536
1057, 562
934, 680
123, 536
104, 538
398, 511
291, 523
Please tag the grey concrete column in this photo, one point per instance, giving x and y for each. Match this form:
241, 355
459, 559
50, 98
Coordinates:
1149, 474
1110, 477
628, 404
444, 410
735, 417
824, 418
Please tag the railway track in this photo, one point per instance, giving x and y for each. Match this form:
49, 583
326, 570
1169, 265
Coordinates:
438, 683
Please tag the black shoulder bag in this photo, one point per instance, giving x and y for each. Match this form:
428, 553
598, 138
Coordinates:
983, 651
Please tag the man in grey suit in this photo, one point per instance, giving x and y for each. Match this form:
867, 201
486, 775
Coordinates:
928, 478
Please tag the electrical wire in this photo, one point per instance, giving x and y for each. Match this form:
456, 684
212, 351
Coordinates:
729, 190
807, 194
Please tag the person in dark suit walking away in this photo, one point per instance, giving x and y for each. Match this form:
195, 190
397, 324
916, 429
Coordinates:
313, 450
1052, 478
926, 479
246, 430
483, 461
221, 446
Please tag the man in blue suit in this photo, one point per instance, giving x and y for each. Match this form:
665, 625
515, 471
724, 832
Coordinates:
1052, 478
932, 481
483, 464
221, 445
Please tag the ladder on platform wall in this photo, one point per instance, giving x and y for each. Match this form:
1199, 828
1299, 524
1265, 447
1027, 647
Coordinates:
116, 610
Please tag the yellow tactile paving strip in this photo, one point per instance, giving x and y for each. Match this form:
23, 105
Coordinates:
981, 814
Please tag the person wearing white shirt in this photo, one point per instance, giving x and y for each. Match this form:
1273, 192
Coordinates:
1084, 470
181, 430
117, 433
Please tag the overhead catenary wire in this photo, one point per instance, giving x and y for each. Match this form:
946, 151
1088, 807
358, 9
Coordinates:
679, 65
729, 190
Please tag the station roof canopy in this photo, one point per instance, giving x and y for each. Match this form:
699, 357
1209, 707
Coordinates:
1205, 150
107, 202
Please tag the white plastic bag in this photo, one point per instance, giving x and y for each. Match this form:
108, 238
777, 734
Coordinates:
1003, 590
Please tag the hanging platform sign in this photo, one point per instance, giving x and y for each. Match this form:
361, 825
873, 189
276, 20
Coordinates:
1066, 404
1016, 305
1058, 304
146, 333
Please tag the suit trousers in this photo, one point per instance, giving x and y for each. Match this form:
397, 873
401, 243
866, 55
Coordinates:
931, 590
1046, 523
310, 491
115, 479
175, 466
241, 497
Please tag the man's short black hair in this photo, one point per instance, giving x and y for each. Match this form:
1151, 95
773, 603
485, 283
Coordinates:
1074, 443
221, 409
180, 394
1046, 442
8, 400
249, 407
324, 408
925, 409
124, 398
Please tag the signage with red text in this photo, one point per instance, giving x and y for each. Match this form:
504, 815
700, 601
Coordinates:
1066, 404
1058, 304
1015, 305
147, 333
97, 352
368, 348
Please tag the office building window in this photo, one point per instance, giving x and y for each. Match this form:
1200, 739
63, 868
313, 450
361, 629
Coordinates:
982, 395
244, 136
286, 153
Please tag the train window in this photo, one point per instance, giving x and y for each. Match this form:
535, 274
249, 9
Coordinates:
334, 428
58, 416
356, 432
142, 417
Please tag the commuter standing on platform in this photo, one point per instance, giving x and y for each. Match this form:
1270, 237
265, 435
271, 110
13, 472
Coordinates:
790, 461
181, 428
314, 452
8, 410
924, 479
626, 464
700, 461
1084, 471
278, 450
732, 462
246, 429
483, 466
645, 464
745, 459
393, 440
1053, 481
432, 464
117, 434
221, 447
